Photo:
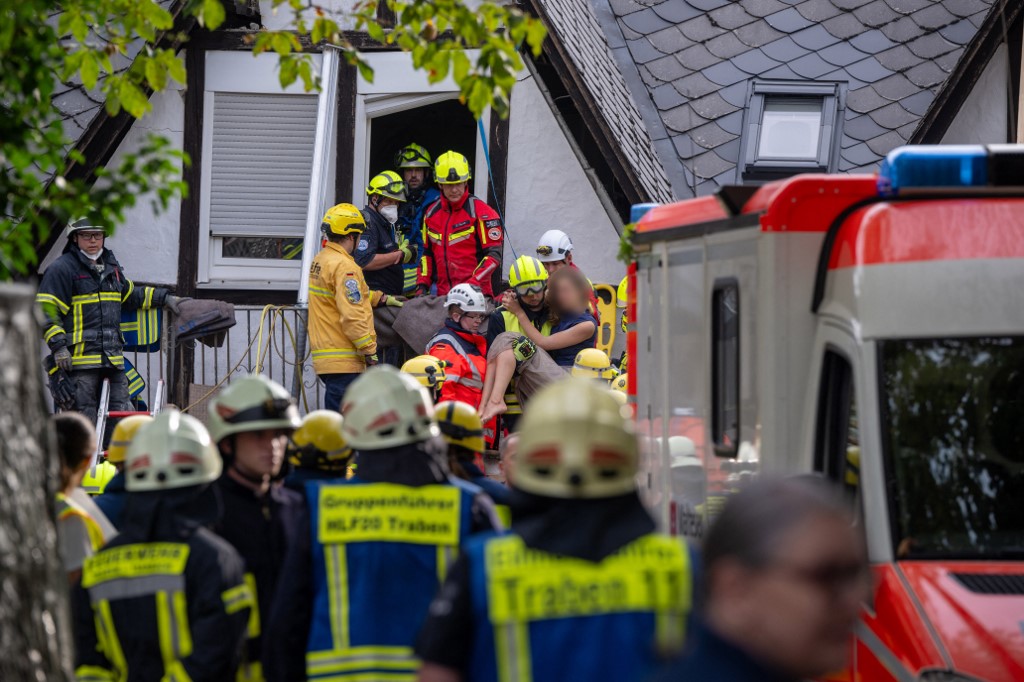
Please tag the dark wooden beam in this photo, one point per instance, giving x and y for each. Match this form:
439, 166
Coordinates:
243, 40
950, 99
188, 225
497, 145
345, 134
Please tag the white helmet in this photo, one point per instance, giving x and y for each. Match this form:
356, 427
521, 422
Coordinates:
682, 452
576, 442
173, 451
385, 408
469, 297
554, 245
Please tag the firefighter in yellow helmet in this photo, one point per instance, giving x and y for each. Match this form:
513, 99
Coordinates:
341, 334
429, 371
622, 302
463, 430
463, 236
621, 383
250, 421
414, 163
593, 363
528, 283
113, 498
317, 450
578, 527
382, 250
165, 599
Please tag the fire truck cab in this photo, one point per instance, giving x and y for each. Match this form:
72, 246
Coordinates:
871, 329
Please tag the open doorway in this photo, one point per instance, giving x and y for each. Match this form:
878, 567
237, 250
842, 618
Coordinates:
439, 126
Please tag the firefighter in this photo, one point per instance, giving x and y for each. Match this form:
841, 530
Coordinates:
250, 422
463, 430
462, 236
621, 301
381, 250
593, 363
82, 295
166, 599
382, 540
460, 345
317, 450
621, 383
97, 477
341, 333
527, 280
514, 605
554, 250
429, 371
414, 163
111, 502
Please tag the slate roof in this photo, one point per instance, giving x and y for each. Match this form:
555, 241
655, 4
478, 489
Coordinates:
574, 21
694, 60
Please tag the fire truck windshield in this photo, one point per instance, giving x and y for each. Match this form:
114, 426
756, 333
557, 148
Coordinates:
953, 436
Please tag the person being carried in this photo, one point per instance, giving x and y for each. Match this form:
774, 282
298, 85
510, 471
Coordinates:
534, 359
555, 251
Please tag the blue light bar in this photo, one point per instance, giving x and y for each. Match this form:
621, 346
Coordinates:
638, 211
933, 167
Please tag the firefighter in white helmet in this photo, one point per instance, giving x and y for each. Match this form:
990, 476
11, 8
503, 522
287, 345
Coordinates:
382, 539
342, 338
579, 528
461, 346
250, 422
165, 599
555, 251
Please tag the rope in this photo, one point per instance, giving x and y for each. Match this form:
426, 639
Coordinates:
490, 175
272, 313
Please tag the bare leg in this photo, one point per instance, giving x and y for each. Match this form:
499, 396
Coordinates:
494, 401
488, 382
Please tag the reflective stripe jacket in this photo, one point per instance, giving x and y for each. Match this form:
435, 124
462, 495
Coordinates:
410, 224
461, 243
169, 611
529, 608
380, 552
83, 307
341, 330
466, 355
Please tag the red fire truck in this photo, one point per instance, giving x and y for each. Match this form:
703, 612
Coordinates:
870, 328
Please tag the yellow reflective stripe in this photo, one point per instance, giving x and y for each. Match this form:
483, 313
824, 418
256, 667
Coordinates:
337, 567
361, 658
76, 324
92, 673
44, 299
52, 332
254, 612
504, 513
363, 341
107, 635
95, 297
464, 233
179, 606
512, 649
320, 291
237, 598
147, 301
336, 352
164, 628
250, 672
135, 561
128, 291
370, 677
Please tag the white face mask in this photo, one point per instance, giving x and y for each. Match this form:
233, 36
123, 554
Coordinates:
91, 257
390, 213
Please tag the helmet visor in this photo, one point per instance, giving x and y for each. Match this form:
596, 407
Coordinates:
530, 288
411, 157
271, 409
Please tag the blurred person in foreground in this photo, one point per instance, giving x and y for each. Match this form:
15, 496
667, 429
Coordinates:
583, 588
784, 576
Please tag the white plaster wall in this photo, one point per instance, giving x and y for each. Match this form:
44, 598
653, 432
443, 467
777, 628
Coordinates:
548, 189
982, 119
146, 243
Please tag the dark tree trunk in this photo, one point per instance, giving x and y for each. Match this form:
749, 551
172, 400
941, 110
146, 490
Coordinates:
35, 641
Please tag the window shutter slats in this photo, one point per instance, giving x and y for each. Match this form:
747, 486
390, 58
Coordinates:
261, 162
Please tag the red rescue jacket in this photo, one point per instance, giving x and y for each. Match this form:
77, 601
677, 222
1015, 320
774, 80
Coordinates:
462, 243
466, 355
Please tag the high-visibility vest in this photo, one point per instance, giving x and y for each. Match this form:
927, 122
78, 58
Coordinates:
532, 609
380, 552
67, 508
512, 325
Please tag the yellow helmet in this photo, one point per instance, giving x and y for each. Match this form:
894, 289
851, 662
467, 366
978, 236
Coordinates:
576, 442
527, 270
460, 425
251, 403
427, 370
97, 477
387, 184
122, 436
343, 219
173, 451
451, 168
413, 155
621, 383
593, 363
319, 443
622, 293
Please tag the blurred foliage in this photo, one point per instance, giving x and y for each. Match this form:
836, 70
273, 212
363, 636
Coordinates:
43, 42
